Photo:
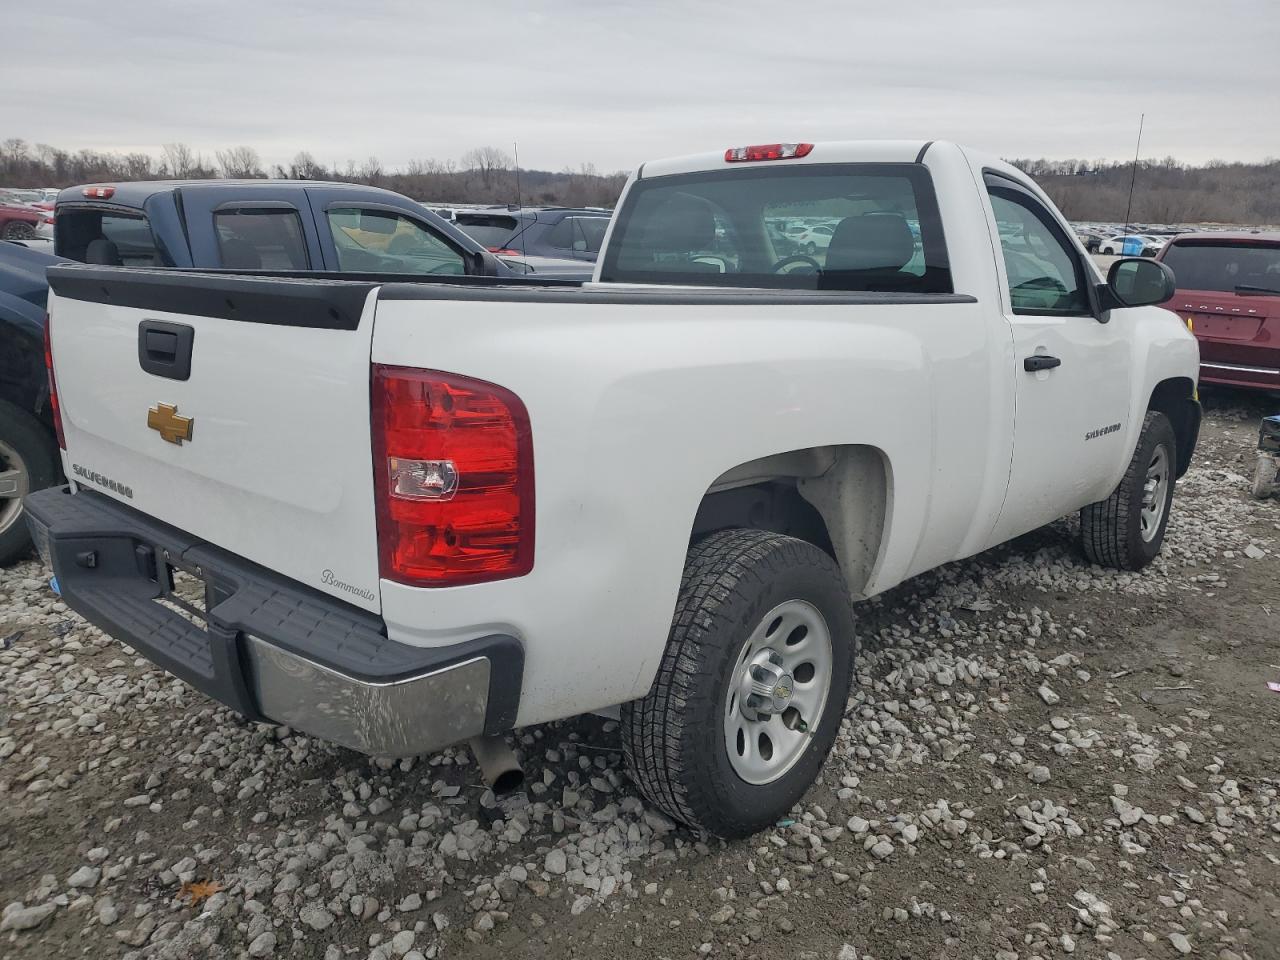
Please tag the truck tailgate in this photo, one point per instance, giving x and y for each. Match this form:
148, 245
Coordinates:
263, 449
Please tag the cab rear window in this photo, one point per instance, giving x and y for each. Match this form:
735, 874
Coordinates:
108, 238
855, 227
487, 230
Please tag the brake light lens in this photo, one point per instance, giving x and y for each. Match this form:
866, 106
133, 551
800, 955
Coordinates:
99, 193
54, 407
453, 478
767, 151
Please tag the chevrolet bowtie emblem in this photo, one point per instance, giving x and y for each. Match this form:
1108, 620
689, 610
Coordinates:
164, 419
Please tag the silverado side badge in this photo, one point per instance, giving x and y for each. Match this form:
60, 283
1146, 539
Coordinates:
164, 419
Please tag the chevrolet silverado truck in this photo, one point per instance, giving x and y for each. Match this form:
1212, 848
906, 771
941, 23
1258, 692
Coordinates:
406, 515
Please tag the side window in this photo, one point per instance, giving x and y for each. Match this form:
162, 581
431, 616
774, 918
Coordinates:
562, 235
382, 241
268, 238
593, 231
1044, 274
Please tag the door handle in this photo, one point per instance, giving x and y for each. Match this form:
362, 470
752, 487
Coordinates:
1040, 362
164, 349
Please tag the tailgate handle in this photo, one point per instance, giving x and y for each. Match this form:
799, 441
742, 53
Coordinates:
164, 348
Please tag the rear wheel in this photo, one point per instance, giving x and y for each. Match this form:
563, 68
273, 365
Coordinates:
28, 462
18, 230
752, 687
1125, 530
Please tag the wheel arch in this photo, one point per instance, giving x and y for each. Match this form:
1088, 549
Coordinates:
1175, 397
836, 497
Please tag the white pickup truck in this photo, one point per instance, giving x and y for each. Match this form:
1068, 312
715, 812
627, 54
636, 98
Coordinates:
422, 513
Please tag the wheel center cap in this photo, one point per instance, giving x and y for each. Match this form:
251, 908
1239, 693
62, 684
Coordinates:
767, 687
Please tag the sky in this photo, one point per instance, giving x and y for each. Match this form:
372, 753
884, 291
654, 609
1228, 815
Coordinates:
615, 83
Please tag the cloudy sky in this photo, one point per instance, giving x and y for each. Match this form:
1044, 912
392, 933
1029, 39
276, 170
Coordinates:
613, 83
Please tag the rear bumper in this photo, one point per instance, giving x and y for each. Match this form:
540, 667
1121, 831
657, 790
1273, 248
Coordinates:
268, 647
1242, 375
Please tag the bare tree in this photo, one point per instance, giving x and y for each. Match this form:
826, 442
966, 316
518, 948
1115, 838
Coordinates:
240, 163
371, 172
178, 160
488, 162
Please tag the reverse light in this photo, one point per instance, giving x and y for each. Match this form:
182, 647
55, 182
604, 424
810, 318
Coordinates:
767, 151
99, 193
453, 478
55, 408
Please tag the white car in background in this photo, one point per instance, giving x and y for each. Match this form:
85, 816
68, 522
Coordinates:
1131, 245
815, 238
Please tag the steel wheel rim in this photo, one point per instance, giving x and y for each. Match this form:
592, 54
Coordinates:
1155, 490
15, 483
789, 652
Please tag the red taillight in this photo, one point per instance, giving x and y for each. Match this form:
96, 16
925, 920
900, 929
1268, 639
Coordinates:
453, 478
99, 193
767, 151
54, 407
505, 252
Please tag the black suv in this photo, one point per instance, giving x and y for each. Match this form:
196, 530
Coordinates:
565, 233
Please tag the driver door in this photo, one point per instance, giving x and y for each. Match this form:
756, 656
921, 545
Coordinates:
1071, 371
360, 236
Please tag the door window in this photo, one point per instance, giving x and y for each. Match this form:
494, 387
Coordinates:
1045, 277
269, 238
382, 241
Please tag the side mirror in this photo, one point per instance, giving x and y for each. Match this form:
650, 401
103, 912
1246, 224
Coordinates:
1138, 282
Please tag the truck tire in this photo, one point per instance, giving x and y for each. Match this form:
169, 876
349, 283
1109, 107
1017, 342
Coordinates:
763, 635
28, 462
1264, 476
1125, 530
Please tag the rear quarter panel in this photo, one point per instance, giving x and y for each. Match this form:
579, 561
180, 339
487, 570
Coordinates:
635, 410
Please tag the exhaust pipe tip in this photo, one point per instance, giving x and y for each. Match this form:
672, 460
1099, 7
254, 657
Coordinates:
498, 765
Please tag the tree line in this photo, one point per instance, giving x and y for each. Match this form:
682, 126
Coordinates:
481, 175
1164, 191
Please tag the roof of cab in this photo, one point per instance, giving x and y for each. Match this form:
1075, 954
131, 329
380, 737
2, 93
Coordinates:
136, 193
830, 151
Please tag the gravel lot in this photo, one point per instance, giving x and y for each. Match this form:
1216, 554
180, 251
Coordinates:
1041, 758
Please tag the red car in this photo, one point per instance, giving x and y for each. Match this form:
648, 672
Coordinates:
1229, 288
19, 223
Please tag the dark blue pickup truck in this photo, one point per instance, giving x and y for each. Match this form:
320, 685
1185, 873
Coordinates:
264, 225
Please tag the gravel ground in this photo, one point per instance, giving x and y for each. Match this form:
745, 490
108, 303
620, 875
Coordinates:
1041, 758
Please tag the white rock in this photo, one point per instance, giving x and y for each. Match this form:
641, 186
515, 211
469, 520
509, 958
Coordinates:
402, 942
1180, 943
84, 877
556, 862
18, 917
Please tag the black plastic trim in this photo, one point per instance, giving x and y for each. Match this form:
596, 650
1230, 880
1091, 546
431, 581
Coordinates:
298, 301
118, 593
682, 296
923, 151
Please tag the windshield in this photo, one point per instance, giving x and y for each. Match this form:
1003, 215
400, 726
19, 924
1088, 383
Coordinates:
859, 227
1223, 266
